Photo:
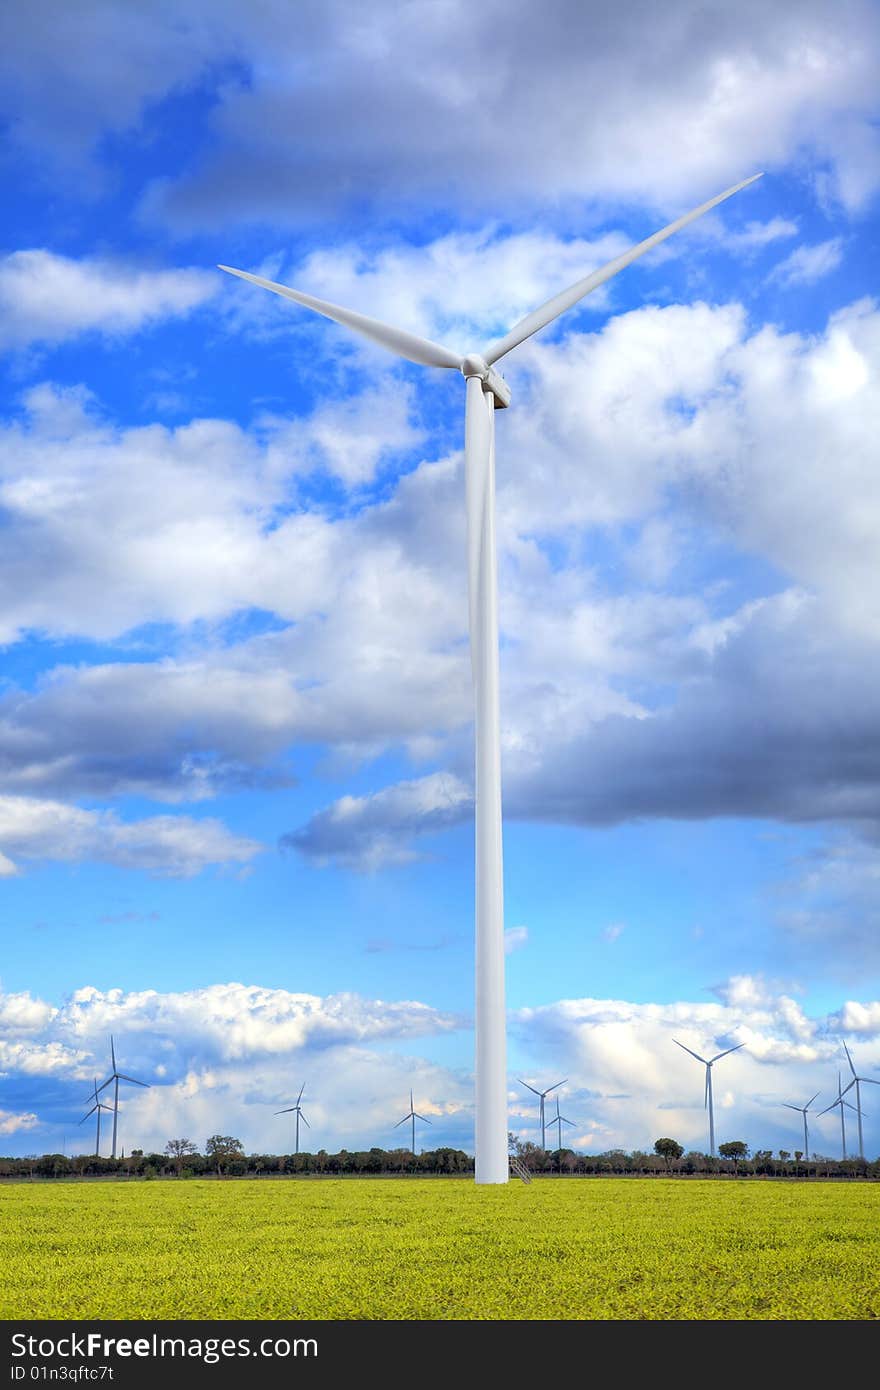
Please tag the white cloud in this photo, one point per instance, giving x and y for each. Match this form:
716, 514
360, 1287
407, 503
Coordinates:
372, 832
613, 931
629, 1083
46, 298
221, 1058
225, 1057
809, 263
11, 1123
683, 401
461, 288
755, 235
179, 846
514, 939
456, 124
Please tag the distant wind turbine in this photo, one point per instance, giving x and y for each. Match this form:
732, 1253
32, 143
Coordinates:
97, 1107
296, 1110
541, 1096
707, 1099
841, 1102
856, 1081
116, 1076
412, 1115
802, 1110
487, 391
560, 1120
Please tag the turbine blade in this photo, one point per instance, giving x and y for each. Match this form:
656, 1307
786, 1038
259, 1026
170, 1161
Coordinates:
402, 1122
871, 1080
300, 1096
848, 1058
289, 1111
396, 340
832, 1106
546, 313
304, 1120
122, 1077
728, 1052
112, 1052
810, 1101
529, 1088
555, 1084
687, 1049
87, 1114
104, 1084
423, 1118
789, 1106
847, 1088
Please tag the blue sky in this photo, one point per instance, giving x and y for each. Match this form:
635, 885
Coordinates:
235, 711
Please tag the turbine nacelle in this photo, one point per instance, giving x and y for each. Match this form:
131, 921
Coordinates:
475, 365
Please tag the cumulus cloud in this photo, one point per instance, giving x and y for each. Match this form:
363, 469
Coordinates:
364, 833
220, 1058
438, 120
14, 1124
514, 939
736, 89
177, 846
46, 298
809, 263
461, 288
629, 1083
755, 235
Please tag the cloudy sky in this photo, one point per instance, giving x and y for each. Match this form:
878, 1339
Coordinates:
235, 705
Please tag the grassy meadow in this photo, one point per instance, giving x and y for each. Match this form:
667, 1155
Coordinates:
409, 1249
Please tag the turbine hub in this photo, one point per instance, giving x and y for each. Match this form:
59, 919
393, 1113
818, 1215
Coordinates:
475, 365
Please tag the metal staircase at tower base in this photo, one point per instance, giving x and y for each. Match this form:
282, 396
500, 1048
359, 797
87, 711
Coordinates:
519, 1170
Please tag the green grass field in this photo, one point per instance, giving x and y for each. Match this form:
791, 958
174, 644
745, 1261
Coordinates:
409, 1249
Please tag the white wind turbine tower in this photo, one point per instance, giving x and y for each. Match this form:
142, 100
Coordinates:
298, 1112
542, 1095
413, 1115
802, 1110
486, 392
841, 1102
559, 1120
116, 1076
856, 1081
707, 1099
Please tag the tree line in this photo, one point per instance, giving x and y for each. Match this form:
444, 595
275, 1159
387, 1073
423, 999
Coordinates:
224, 1156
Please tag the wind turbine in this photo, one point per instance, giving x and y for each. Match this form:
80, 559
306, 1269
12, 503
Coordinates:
841, 1102
487, 391
802, 1110
413, 1115
560, 1120
856, 1081
116, 1076
541, 1095
296, 1110
98, 1106
707, 1100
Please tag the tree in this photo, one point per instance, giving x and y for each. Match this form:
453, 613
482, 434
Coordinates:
668, 1149
178, 1149
736, 1150
223, 1149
